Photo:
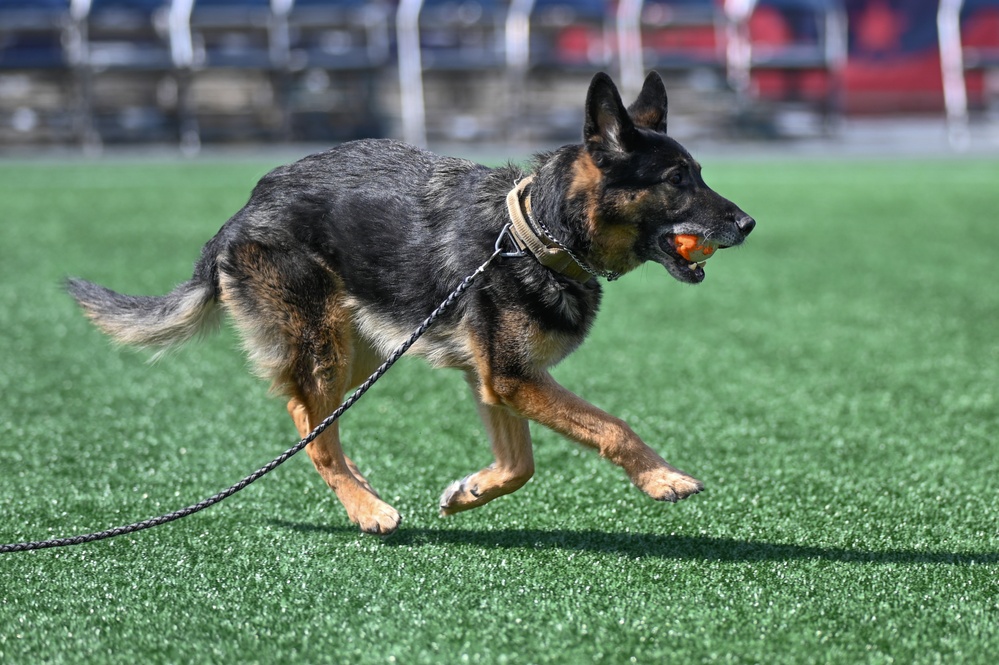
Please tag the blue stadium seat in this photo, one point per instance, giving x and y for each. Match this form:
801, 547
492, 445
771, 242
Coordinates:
337, 50
128, 34
460, 44
812, 31
39, 98
813, 40
236, 34
570, 34
130, 81
682, 35
239, 71
553, 48
462, 35
338, 34
31, 34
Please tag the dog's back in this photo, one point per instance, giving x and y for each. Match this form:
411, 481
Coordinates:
380, 217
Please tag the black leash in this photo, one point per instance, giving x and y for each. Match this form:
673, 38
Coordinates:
281, 459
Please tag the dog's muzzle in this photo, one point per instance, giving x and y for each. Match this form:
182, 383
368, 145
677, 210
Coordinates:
684, 251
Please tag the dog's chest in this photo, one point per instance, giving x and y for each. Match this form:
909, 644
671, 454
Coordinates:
548, 348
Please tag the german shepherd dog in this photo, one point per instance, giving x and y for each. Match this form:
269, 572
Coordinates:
336, 258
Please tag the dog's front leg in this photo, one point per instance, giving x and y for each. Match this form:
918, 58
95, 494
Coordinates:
543, 400
510, 438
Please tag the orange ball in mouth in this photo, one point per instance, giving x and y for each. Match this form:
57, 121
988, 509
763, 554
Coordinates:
694, 248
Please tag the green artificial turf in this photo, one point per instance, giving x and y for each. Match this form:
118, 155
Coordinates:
833, 383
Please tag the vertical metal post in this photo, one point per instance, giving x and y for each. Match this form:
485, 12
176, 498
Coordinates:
952, 69
738, 47
517, 35
629, 46
182, 54
78, 53
414, 120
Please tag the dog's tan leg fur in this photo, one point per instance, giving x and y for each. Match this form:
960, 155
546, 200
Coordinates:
363, 505
511, 444
299, 414
317, 393
543, 400
309, 352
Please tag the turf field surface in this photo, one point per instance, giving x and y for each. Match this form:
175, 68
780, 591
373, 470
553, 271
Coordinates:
833, 383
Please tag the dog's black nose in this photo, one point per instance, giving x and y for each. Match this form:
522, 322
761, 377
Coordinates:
746, 224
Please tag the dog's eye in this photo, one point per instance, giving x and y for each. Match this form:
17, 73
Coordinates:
675, 178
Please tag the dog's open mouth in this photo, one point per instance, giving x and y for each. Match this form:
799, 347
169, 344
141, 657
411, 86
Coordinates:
687, 255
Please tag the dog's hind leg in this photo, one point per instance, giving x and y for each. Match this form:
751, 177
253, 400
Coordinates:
362, 503
300, 416
290, 312
318, 382
511, 444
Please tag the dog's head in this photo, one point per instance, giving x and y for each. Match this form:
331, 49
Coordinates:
640, 189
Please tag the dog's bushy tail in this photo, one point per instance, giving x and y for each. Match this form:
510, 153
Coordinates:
158, 322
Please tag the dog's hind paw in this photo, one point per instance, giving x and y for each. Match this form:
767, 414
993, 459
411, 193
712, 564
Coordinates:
375, 516
381, 524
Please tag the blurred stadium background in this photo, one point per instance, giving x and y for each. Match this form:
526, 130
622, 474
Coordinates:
91, 73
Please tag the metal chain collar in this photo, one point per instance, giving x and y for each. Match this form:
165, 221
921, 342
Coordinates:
609, 275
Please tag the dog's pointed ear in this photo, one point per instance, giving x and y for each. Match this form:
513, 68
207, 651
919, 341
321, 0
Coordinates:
649, 110
608, 128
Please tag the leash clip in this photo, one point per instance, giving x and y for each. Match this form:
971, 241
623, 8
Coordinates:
506, 233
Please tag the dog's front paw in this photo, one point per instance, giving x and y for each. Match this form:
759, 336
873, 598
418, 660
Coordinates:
482, 487
668, 484
458, 496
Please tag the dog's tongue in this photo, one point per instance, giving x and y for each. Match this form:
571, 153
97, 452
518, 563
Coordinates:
694, 248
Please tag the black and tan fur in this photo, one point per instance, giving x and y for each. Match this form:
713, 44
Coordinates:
336, 258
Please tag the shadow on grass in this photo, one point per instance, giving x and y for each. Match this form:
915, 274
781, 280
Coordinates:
698, 548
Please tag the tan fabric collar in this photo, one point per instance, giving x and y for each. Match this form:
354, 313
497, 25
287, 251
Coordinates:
549, 252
